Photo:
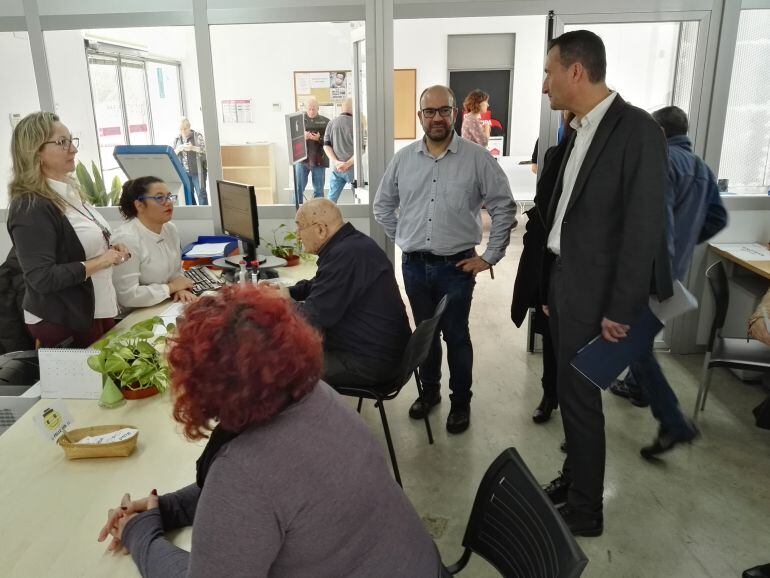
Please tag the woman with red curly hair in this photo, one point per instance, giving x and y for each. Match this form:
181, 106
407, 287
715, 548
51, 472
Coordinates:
291, 483
474, 128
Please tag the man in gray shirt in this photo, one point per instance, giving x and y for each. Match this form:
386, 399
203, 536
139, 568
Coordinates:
429, 202
338, 146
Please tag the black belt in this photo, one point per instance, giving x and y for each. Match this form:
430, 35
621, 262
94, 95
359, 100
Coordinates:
433, 258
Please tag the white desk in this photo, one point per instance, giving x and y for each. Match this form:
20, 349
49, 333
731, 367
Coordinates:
51, 508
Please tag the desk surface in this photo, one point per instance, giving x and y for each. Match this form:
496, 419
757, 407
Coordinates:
732, 252
51, 508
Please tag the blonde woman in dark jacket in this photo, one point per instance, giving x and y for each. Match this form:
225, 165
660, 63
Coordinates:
63, 243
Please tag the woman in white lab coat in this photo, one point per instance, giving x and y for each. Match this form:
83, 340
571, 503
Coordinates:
154, 272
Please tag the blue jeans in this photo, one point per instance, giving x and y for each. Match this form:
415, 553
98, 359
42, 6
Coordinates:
647, 375
337, 182
426, 282
301, 171
198, 191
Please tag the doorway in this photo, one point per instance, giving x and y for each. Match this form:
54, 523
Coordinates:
496, 83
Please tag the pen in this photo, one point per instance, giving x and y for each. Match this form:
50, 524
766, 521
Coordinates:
491, 272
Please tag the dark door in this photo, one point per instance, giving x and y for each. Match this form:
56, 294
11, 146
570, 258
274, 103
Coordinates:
496, 83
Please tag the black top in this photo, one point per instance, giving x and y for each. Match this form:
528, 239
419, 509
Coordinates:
316, 157
354, 299
51, 256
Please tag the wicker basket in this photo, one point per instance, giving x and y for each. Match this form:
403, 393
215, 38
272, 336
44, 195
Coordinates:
76, 451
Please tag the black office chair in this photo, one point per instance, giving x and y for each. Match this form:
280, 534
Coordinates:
415, 354
515, 527
738, 353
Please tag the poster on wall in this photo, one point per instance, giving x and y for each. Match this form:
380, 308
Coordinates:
236, 111
329, 87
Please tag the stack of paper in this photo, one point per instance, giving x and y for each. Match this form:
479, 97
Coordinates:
205, 250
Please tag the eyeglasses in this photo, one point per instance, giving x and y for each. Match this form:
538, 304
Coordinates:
445, 111
65, 144
161, 199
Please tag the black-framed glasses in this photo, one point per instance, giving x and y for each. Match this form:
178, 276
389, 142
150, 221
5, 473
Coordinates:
161, 199
445, 111
65, 144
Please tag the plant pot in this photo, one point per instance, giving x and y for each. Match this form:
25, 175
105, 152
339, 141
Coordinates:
292, 260
139, 393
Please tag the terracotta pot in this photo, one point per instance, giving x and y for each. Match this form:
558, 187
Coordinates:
292, 260
138, 393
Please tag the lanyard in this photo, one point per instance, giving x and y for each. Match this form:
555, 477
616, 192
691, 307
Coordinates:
105, 232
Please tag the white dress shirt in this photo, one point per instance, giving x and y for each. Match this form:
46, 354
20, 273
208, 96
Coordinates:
155, 260
585, 129
90, 236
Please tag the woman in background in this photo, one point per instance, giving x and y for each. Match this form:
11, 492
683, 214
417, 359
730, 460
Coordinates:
474, 128
292, 482
154, 273
62, 242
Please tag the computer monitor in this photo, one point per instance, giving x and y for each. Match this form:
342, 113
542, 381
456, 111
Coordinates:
238, 213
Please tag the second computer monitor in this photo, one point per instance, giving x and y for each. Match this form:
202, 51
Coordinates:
238, 213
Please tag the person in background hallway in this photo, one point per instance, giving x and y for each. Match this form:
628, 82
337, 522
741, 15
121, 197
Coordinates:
61, 241
526, 289
605, 229
316, 162
353, 300
190, 146
474, 128
429, 202
694, 214
291, 482
154, 273
338, 146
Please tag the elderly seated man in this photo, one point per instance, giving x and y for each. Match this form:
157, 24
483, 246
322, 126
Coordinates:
353, 299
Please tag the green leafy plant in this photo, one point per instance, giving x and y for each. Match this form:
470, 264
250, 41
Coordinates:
288, 246
94, 186
130, 359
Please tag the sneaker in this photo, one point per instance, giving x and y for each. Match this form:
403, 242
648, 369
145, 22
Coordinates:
423, 405
459, 418
632, 393
666, 442
557, 490
580, 523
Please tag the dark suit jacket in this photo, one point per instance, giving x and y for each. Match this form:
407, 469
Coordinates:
51, 256
613, 233
526, 288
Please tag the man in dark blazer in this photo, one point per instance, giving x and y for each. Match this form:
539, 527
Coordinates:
606, 225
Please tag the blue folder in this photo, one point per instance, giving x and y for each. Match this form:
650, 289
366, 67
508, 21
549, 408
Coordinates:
601, 361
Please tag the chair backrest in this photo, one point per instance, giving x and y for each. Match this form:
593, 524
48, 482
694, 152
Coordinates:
717, 279
418, 348
515, 527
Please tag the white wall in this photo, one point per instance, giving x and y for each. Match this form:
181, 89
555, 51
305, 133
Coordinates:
258, 61
422, 44
19, 95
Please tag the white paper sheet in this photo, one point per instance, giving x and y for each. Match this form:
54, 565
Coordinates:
746, 251
110, 438
207, 250
680, 303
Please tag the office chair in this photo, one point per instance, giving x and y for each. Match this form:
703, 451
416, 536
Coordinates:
416, 352
514, 526
738, 353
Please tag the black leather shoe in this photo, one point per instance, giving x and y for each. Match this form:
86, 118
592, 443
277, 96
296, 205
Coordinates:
762, 571
557, 490
563, 446
632, 393
459, 418
424, 404
581, 524
543, 411
666, 442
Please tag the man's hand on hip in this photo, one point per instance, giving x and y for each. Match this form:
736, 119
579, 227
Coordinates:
614, 332
474, 265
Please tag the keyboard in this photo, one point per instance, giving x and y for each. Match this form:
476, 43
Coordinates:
203, 280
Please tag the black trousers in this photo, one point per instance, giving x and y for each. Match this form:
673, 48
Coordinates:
580, 402
548, 380
345, 369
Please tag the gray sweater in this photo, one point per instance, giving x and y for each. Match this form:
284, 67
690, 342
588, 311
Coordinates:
308, 494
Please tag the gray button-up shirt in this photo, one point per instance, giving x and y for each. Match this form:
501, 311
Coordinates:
434, 204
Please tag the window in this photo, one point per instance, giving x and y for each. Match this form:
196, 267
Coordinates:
136, 101
745, 160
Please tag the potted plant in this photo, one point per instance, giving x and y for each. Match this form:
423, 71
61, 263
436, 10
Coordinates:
130, 362
288, 248
95, 188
